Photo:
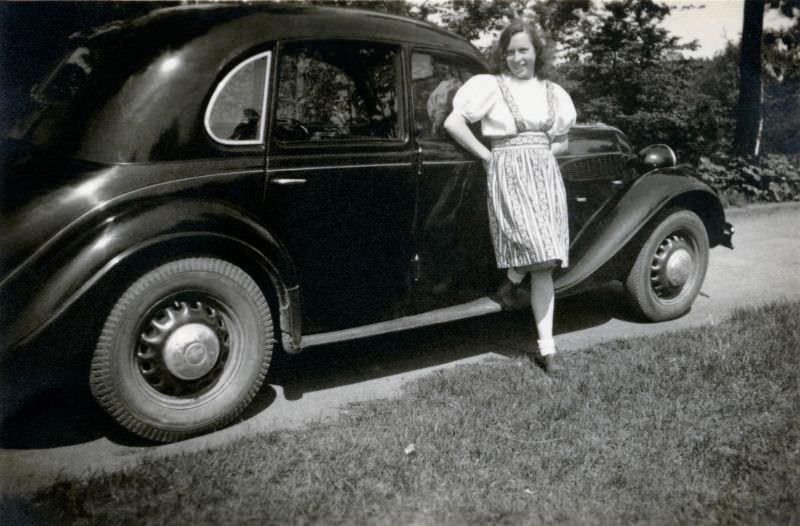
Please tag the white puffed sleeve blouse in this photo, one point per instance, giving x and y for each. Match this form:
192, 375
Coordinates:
480, 99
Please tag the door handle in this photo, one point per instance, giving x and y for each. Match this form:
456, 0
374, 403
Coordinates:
288, 181
581, 199
617, 182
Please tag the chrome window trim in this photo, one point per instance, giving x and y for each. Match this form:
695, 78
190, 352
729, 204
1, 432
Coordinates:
264, 99
336, 167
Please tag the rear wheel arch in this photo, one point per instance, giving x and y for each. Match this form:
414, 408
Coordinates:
273, 273
84, 266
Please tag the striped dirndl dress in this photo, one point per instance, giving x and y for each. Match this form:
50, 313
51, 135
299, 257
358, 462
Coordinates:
527, 201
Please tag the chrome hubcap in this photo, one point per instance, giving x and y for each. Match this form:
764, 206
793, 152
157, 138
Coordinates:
191, 351
679, 267
183, 348
672, 267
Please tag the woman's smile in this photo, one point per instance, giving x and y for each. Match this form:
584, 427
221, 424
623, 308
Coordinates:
521, 56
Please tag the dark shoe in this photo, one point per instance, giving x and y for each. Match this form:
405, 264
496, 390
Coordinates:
511, 296
551, 364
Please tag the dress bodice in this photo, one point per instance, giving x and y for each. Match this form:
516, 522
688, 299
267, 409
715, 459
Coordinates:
481, 99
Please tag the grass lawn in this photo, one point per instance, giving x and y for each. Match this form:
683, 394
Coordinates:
696, 427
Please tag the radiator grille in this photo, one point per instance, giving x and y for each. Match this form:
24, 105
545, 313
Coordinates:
597, 167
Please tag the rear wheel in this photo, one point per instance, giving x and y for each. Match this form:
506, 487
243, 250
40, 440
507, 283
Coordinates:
670, 267
184, 350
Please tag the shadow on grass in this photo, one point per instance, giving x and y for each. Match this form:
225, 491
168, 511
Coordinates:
45, 400
508, 334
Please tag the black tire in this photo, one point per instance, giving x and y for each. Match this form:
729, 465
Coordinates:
184, 350
669, 270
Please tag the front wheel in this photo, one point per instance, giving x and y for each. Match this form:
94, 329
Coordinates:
184, 350
669, 270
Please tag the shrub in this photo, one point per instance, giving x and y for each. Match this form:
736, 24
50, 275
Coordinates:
739, 181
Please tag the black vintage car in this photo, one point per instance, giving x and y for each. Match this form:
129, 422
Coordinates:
218, 181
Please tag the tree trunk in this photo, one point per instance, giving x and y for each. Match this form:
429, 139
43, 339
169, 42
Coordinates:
748, 113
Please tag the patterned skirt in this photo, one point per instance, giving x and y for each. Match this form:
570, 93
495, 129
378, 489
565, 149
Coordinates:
527, 203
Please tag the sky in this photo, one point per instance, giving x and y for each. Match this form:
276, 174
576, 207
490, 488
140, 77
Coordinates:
714, 24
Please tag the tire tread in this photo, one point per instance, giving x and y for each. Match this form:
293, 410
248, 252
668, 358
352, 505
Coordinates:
636, 283
100, 372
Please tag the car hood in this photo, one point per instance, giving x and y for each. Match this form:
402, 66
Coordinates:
40, 194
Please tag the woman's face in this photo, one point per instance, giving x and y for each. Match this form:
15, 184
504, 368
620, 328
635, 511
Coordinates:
521, 56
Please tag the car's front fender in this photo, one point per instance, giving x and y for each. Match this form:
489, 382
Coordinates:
116, 250
645, 198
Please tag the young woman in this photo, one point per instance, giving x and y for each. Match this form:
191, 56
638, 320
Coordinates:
527, 118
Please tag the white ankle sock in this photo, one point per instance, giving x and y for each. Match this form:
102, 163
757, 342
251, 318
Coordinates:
514, 276
547, 347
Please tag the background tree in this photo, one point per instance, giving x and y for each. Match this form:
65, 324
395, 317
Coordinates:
395, 7
474, 19
747, 138
717, 78
623, 68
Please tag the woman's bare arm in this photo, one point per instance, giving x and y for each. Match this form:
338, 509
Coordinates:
560, 144
457, 127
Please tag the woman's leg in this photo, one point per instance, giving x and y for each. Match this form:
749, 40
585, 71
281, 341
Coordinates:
515, 276
542, 303
509, 293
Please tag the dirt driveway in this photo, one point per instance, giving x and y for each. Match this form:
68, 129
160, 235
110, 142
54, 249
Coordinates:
61, 433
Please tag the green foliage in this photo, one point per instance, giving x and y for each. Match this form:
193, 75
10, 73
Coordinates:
739, 181
395, 7
626, 70
470, 18
787, 7
622, 36
782, 87
718, 80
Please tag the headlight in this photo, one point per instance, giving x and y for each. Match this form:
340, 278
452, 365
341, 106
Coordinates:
657, 156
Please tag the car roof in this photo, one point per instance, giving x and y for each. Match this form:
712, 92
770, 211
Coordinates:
205, 41
280, 21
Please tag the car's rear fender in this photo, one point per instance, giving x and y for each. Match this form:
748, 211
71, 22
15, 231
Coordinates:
645, 198
108, 256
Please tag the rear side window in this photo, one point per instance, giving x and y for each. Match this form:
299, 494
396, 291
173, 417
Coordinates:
235, 114
435, 82
332, 90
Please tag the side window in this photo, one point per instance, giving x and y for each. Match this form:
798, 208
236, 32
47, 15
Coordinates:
338, 90
235, 114
435, 81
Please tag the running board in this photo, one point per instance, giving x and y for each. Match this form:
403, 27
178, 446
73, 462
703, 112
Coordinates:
478, 307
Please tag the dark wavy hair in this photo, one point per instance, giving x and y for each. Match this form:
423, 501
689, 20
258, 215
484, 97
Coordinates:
543, 63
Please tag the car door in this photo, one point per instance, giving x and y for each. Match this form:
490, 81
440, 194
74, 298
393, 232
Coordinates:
454, 259
341, 179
